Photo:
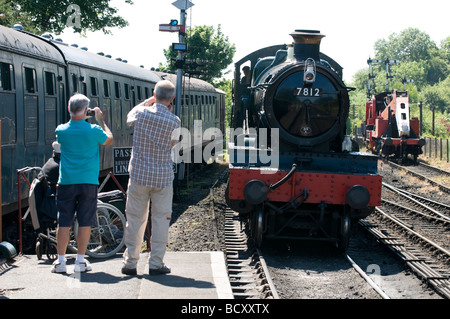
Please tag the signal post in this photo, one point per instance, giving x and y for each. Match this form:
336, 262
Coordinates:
180, 47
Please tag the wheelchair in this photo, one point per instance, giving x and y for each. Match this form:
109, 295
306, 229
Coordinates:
107, 237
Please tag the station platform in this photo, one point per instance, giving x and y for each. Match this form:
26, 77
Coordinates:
194, 275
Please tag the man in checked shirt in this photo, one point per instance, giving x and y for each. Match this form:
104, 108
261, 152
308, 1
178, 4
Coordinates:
151, 177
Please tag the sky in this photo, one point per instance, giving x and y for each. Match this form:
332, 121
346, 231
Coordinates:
351, 27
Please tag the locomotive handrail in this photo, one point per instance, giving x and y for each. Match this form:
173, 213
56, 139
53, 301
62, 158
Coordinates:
273, 186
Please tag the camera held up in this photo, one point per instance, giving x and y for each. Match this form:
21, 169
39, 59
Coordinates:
90, 112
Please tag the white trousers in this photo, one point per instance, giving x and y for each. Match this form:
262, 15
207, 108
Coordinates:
137, 209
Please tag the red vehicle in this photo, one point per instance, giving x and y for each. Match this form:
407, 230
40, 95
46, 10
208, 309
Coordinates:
389, 130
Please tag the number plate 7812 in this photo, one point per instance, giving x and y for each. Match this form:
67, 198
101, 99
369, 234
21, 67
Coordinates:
308, 92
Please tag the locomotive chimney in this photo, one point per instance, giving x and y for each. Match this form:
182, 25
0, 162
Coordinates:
307, 44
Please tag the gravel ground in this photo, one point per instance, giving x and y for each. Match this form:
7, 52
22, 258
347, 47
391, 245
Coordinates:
193, 220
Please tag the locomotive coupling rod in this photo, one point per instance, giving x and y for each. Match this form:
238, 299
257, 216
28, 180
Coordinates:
273, 186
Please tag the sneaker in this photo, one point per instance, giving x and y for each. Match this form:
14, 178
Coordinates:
58, 267
129, 271
160, 271
82, 267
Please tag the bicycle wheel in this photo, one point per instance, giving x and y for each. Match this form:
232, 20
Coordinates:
107, 238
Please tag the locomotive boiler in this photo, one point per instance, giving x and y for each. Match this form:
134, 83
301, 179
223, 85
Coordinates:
294, 173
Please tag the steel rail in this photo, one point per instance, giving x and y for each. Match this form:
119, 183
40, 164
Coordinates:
422, 177
411, 210
434, 211
401, 224
267, 274
367, 278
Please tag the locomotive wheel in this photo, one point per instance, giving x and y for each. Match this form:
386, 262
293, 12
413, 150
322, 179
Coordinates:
258, 226
344, 234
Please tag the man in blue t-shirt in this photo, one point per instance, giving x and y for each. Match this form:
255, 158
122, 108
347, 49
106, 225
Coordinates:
78, 178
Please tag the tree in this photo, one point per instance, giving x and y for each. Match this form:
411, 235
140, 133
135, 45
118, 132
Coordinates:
410, 45
55, 15
10, 16
434, 97
208, 48
415, 46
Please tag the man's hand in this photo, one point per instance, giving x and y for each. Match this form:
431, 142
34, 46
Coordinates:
149, 102
98, 114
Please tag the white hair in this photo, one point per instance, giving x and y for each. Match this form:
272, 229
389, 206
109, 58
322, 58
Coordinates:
164, 90
77, 104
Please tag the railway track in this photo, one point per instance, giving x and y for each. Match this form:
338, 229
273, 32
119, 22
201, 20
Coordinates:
306, 273
249, 274
428, 208
247, 269
424, 266
415, 229
431, 174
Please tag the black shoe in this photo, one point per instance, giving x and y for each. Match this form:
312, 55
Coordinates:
129, 271
160, 271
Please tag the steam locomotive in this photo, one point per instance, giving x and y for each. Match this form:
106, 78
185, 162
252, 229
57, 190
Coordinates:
293, 173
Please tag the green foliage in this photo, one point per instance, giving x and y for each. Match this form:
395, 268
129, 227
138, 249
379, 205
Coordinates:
408, 46
211, 48
11, 16
54, 16
422, 61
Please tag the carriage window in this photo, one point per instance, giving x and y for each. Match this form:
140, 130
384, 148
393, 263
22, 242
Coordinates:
30, 107
75, 82
94, 86
147, 92
139, 92
117, 90
106, 88
84, 88
30, 80
7, 104
6, 77
49, 83
127, 91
